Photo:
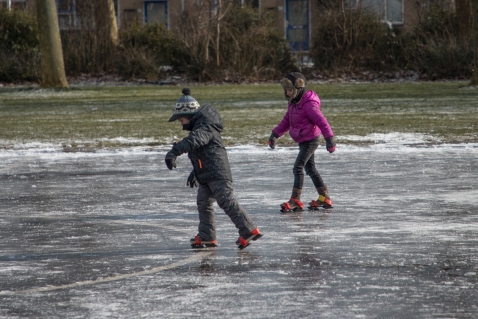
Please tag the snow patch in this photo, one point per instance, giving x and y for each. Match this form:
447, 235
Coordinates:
392, 138
405, 142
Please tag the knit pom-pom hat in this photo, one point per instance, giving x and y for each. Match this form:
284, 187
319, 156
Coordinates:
186, 106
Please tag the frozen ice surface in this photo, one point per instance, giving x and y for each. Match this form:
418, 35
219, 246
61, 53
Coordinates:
106, 235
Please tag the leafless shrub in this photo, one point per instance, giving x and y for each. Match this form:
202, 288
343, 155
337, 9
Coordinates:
231, 44
86, 41
354, 39
144, 50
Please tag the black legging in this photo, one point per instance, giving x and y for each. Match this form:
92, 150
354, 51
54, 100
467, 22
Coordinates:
306, 160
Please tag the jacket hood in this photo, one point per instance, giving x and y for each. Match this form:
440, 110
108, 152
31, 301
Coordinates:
207, 115
306, 97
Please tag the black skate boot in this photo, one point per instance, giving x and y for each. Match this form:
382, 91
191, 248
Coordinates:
197, 242
323, 200
294, 204
244, 242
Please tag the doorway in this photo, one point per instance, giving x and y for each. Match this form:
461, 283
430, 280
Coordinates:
297, 24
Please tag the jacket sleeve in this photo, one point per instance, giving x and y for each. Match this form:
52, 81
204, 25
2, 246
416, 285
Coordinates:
283, 126
197, 138
313, 113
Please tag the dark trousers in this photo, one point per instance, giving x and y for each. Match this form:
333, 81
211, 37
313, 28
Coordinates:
222, 192
306, 160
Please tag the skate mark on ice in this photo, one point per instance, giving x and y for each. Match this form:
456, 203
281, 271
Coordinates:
174, 228
108, 218
195, 257
186, 261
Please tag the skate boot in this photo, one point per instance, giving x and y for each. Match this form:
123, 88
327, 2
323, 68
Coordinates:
294, 204
197, 242
323, 200
244, 242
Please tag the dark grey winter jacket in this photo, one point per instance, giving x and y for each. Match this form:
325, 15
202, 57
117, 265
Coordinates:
204, 146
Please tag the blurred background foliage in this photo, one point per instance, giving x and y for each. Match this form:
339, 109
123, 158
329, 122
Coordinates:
247, 48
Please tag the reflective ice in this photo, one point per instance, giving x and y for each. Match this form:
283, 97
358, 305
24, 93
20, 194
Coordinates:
106, 235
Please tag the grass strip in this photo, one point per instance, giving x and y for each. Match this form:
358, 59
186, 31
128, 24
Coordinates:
137, 115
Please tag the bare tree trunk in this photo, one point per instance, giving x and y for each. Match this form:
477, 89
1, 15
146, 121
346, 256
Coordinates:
106, 31
113, 26
474, 79
208, 36
219, 17
218, 30
464, 17
53, 67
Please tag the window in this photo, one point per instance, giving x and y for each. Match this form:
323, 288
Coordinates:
156, 12
67, 18
65, 6
394, 11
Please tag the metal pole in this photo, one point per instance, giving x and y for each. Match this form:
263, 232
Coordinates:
9, 4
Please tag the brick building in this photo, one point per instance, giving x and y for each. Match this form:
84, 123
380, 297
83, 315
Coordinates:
295, 18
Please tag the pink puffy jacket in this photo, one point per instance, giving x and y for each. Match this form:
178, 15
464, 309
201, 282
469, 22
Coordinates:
304, 121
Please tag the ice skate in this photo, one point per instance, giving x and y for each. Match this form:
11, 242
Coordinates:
294, 204
323, 201
197, 242
253, 236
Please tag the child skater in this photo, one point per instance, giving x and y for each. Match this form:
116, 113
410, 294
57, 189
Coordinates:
210, 169
305, 123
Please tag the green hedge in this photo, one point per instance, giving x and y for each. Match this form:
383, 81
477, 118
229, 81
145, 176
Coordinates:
19, 56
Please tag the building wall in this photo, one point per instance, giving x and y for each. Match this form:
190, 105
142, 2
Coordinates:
129, 11
410, 14
133, 10
278, 7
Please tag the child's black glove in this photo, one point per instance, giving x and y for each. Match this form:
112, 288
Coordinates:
192, 181
330, 144
272, 140
170, 160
